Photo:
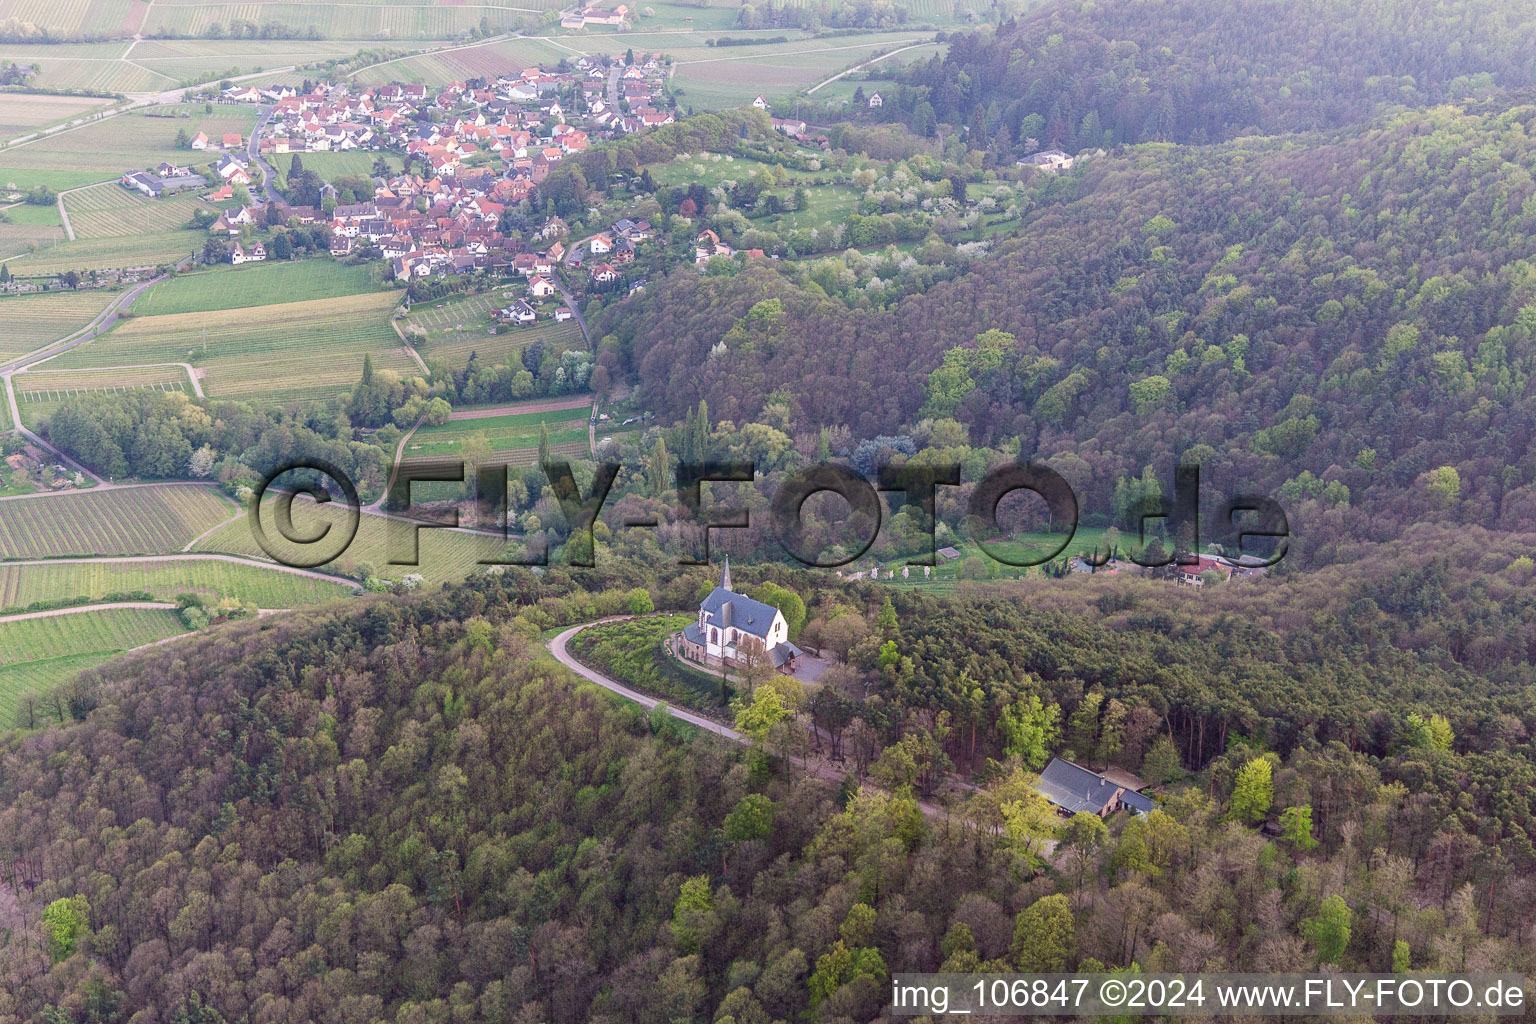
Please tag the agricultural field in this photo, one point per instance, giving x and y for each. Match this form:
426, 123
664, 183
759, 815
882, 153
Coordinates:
149, 520
714, 79
515, 432
289, 352
507, 56
22, 112
211, 59
96, 68
36, 654
151, 250
40, 392
21, 585
112, 211
256, 284
371, 21
28, 322
19, 240
141, 138
445, 555
456, 348
74, 17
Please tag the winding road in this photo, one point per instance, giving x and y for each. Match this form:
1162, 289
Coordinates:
821, 768
557, 647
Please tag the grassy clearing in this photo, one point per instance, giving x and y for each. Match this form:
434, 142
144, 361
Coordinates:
335, 165
293, 351
445, 555
257, 284
149, 520
37, 654
21, 585
502, 433
111, 211
28, 322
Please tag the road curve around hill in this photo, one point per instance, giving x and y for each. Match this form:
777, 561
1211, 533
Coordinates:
557, 647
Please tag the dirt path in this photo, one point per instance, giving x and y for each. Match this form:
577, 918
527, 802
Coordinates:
86, 608
198, 556
861, 67
557, 405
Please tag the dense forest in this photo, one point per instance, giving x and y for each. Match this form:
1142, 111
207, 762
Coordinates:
1349, 320
1081, 74
396, 810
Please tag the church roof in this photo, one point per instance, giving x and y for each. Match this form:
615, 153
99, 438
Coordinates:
728, 608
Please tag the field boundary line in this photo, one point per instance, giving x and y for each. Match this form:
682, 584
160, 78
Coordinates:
197, 387
191, 556
103, 486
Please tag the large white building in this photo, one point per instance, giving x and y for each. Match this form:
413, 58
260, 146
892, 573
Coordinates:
730, 625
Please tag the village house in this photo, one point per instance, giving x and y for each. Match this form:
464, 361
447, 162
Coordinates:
200, 140
519, 312
1049, 160
253, 253
875, 101
156, 185
708, 246
604, 273
540, 287
732, 628
1071, 788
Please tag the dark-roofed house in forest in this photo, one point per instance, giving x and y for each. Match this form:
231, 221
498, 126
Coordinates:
731, 627
1073, 788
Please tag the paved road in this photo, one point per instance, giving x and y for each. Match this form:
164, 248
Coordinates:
252, 150
581, 321
818, 767
104, 322
557, 647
